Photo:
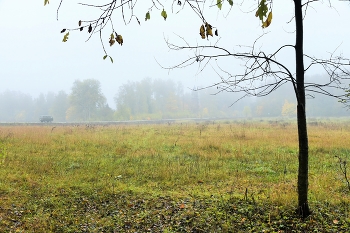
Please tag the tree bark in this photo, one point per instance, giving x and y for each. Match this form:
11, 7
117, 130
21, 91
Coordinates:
303, 183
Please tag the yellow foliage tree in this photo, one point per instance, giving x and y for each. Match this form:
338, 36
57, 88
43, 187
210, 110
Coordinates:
289, 109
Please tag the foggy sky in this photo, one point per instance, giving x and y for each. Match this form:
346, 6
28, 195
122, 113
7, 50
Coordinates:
34, 60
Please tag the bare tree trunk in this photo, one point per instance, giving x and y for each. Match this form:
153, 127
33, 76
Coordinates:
303, 183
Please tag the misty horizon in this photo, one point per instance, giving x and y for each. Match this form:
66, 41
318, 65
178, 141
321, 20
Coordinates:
154, 99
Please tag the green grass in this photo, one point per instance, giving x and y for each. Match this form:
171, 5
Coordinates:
222, 177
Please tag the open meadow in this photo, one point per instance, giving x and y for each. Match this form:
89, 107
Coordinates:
181, 177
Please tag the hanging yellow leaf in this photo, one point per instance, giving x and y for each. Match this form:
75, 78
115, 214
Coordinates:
202, 32
164, 14
46, 2
209, 30
268, 20
111, 42
65, 37
111, 39
119, 39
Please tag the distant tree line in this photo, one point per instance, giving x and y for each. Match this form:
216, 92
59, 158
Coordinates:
150, 99
19, 107
164, 99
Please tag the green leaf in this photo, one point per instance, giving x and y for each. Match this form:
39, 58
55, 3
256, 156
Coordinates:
46, 2
105, 56
262, 10
164, 14
148, 16
230, 2
219, 4
65, 37
111, 59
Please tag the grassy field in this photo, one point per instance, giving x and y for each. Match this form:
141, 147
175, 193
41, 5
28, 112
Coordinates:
181, 177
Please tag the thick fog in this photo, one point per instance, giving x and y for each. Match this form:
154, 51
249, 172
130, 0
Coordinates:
157, 99
35, 66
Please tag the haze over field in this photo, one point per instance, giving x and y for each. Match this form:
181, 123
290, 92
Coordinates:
34, 60
154, 100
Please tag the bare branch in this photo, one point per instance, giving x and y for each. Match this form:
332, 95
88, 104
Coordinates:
58, 8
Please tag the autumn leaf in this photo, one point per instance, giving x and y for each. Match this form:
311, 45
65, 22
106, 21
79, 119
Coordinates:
202, 32
148, 16
164, 14
209, 29
46, 2
111, 39
111, 42
268, 20
65, 37
119, 39
182, 206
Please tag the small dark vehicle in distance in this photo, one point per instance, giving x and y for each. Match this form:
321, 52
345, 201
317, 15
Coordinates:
46, 118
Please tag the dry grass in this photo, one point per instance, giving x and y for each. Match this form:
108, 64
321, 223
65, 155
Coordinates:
178, 160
